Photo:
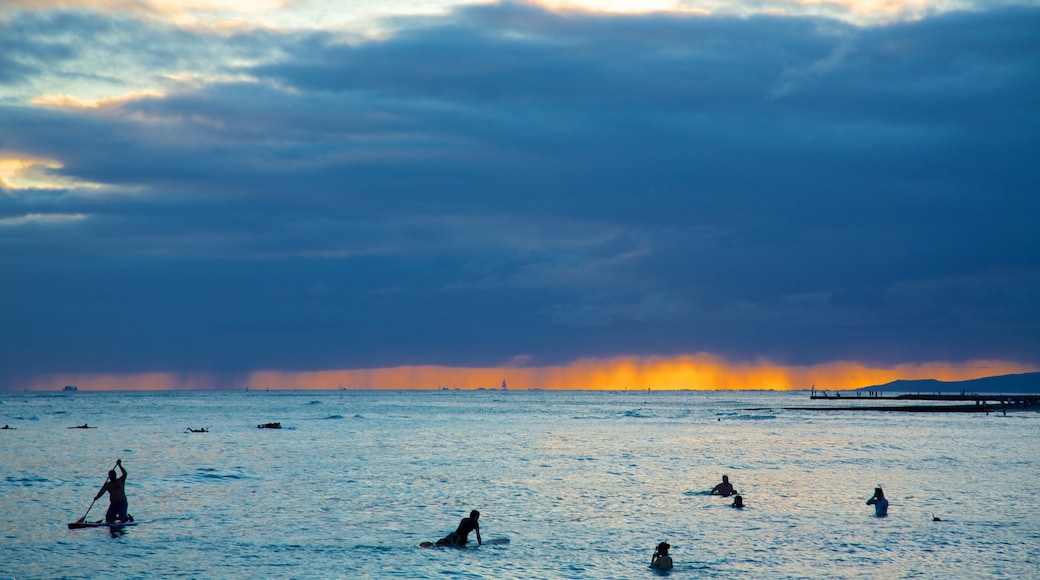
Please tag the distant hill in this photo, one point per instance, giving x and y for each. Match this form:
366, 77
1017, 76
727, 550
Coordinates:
1004, 384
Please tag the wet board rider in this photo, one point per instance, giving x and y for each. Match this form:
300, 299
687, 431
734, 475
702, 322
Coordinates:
460, 536
661, 560
725, 489
879, 502
116, 495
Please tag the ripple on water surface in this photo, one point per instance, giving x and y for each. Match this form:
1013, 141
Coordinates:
584, 485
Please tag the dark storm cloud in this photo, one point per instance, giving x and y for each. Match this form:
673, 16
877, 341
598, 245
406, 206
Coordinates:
508, 181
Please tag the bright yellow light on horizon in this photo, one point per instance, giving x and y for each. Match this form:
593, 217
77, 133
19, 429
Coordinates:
690, 372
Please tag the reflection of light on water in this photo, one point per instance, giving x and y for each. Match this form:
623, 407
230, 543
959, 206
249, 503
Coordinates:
602, 475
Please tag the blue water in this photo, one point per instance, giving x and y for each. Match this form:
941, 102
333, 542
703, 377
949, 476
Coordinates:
584, 484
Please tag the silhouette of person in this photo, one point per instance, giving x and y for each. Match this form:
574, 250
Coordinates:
725, 489
879, 502
460, 536
117, 503
661, 560
738, 501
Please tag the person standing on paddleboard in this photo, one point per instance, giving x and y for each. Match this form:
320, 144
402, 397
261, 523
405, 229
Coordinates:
116, 495
461, 535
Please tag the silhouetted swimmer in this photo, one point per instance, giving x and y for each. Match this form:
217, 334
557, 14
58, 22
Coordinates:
83, 426
199, 430
7, 427
879, 502
460, 536
116, 495
725, 489
738, 501
661, 560
270, 426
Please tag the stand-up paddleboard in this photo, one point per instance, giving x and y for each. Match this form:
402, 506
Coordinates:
79, 525
491, 542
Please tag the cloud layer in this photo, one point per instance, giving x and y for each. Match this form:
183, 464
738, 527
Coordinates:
507, 181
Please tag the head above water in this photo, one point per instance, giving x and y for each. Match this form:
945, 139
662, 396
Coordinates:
725, 479
474, 515
878, 492
662, 548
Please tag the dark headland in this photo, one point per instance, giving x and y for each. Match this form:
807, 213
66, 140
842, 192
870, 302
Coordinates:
1020, 384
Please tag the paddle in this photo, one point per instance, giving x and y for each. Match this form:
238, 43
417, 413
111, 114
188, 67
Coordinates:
82, 519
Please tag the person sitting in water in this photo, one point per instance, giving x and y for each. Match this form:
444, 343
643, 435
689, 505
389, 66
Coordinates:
879, 502
661, 560
725, 489
115, 486
460, 536
738, 501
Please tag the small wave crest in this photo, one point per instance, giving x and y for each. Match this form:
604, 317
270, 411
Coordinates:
745, 417
207, 474
26, 481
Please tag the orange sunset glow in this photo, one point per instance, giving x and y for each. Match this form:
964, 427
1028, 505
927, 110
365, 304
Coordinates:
691, 372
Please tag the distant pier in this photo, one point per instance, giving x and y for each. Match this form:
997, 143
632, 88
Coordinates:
969, 403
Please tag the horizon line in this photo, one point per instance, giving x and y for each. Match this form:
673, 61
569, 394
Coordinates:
699, 372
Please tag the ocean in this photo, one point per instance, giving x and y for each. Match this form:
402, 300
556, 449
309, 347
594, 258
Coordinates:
583, 484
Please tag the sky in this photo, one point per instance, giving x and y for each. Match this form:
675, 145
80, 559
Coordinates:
668, 194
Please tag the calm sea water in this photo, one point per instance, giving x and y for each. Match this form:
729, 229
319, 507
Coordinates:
584, 484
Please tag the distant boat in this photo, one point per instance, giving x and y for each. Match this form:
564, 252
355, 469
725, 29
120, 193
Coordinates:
70, 388
503, 384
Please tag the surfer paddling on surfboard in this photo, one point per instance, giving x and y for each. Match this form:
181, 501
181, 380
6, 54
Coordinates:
116, 495
460, 536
